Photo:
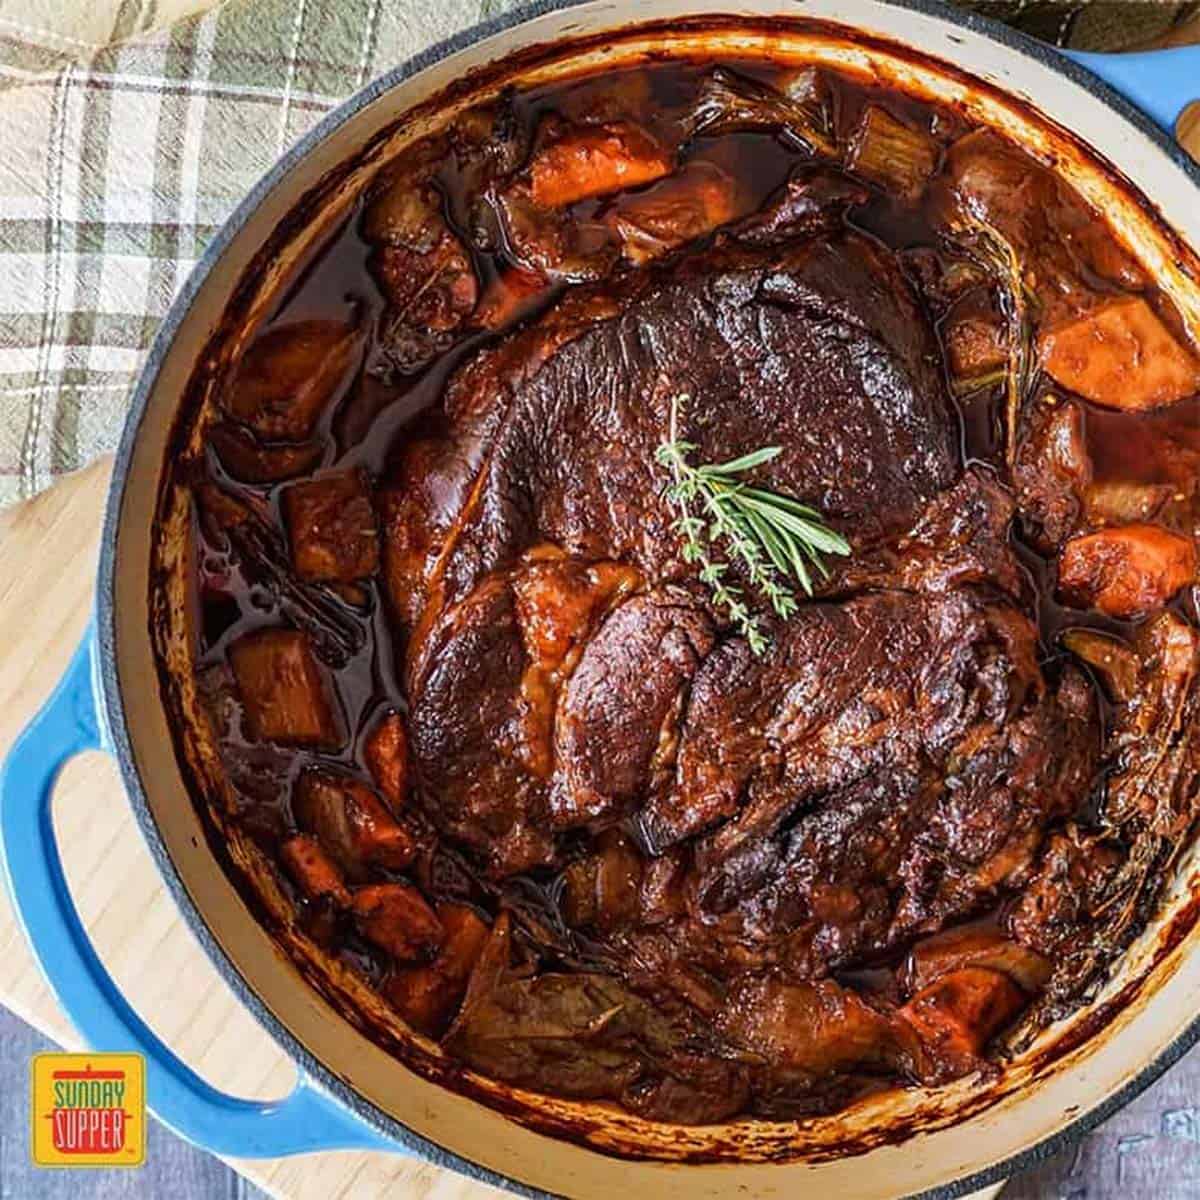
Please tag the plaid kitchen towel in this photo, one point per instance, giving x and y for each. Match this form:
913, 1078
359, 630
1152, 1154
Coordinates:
129, 129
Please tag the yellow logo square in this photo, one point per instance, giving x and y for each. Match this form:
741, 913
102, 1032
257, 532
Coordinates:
89, 1110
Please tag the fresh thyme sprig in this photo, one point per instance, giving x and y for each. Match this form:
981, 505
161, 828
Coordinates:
776, 539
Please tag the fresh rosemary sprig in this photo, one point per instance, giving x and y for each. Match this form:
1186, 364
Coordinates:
776, 539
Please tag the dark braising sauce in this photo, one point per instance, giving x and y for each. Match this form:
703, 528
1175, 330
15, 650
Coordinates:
514, 761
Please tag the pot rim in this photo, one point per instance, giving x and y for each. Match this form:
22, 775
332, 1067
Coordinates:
111, 703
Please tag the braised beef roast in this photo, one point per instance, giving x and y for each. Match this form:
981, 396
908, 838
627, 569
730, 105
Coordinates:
616, 820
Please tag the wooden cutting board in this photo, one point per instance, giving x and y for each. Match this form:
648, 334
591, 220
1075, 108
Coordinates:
47, 569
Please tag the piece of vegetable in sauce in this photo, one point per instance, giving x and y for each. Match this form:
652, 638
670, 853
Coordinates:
397, 918
284, 689
420, 264
312, 870
730, 102
1126, 571
1125, 502
814, 200
332, 529
976, 339
1092, 890
406, 210
509, 292
817, 1028
594, 160
1121, 355
431, 291
352, 824
1072, 877
427, 996
386, 755
897, 157
1155, 789
583, 1034
973, 946
1071, 911
1061, 241
1115, 663
288, 377
248, 460
1053, 469
683, 207
955, 1017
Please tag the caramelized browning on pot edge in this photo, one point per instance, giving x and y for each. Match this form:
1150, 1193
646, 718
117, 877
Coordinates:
512, 757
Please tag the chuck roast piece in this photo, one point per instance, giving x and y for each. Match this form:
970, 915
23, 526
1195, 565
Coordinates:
474, 737
817, 346
622, 705
483, 701
888, 766
844, 691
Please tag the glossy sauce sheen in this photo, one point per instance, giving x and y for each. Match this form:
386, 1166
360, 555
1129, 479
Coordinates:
385, 406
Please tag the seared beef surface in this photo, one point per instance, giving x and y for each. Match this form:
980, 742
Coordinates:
518, 762
889, 765
818, 347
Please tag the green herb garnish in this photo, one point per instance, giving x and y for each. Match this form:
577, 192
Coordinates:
776, 539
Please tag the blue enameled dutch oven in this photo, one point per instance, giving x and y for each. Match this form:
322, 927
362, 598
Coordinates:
1105, 123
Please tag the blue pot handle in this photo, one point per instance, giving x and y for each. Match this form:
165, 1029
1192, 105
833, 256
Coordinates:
307, 1119
1160, 82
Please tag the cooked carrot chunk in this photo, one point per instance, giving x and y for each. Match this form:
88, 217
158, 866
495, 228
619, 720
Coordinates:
427, 997
332, 528
1127, 571
289, 375
1121, 355
955, 1017
314, 872
387, 758
466, 935
283, 689
506, 296
595, 160
397, 919
352, 823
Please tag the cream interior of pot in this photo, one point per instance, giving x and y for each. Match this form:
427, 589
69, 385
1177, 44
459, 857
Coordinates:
866, 1149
